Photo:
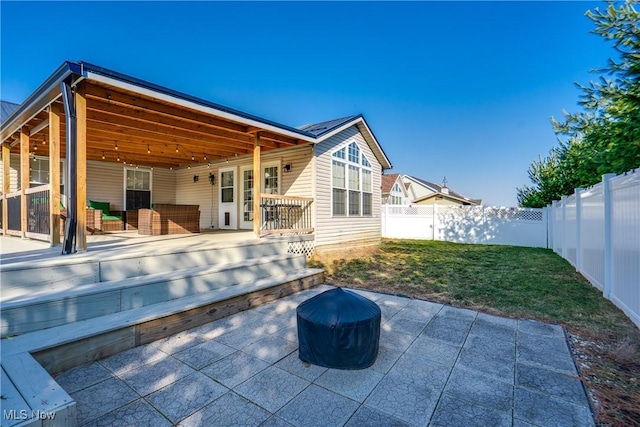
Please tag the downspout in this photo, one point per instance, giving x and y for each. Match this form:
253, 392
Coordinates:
69, 244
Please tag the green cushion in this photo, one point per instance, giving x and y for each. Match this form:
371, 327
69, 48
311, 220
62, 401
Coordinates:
111, 218
103, 206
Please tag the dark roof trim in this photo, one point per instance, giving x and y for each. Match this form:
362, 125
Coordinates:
46, 93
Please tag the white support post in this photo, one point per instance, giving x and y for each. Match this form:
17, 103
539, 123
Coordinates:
563, 200
578, 193
548, 216
606, 197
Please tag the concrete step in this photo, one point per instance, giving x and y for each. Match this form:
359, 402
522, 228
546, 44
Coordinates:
29, 360
53, 307
66, 272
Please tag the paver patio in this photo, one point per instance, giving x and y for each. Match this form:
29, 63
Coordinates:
437, 366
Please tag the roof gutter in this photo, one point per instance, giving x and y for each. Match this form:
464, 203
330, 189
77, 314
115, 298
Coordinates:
44, 95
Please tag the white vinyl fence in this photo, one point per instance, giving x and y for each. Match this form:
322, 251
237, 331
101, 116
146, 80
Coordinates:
598, 231
467, 224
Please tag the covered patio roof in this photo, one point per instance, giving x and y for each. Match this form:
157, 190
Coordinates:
133, 121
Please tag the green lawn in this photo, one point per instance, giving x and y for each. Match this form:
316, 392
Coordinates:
517, 282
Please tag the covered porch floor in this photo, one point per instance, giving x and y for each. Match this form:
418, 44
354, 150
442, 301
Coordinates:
125, 243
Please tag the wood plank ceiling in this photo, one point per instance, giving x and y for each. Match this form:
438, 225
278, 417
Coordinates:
132, 129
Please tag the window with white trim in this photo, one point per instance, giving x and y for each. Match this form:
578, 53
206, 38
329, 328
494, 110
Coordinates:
351, 182
395, 198
137, 189
39, 172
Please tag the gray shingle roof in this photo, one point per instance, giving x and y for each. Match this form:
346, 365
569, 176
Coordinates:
324, 127
6, 108
438, 189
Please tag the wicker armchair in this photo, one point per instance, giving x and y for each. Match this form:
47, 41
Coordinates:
94, 221
169, 219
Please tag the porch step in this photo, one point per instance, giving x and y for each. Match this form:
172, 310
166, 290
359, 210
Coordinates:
53, 307
24, 278
29, 360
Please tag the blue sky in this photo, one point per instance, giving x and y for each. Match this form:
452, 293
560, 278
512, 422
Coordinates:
457, 89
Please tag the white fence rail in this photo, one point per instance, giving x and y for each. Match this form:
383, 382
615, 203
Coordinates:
467, 224
598, 231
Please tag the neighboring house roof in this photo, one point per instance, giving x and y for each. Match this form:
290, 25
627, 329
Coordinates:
440, 190
6, 108
388, 181
50, 90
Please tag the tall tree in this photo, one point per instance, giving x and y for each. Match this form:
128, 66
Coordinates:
605, 136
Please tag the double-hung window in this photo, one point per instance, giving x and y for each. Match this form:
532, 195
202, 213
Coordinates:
138, 189
351, 182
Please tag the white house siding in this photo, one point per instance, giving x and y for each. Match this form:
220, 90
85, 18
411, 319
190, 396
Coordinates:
340, 230
163, 188
14, 172
419, 190
294, 183
105, 183
298, 182
200, 193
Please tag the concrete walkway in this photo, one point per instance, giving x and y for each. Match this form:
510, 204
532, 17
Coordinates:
437, 366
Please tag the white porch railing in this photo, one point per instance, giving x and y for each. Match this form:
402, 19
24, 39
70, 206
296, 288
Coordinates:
285, 214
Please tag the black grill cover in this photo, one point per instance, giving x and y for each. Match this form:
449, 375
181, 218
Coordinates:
339, 329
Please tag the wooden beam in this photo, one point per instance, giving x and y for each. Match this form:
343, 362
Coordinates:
54, 174
136, 100
191, 142
257, 186
43, 124
81, 167
24, 180
6, 184
161, 144
117, 112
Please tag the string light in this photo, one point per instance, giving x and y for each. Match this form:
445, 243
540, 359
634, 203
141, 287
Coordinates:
116, 147
205, 156
176, 148
103, 155
192, 157
148, 149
